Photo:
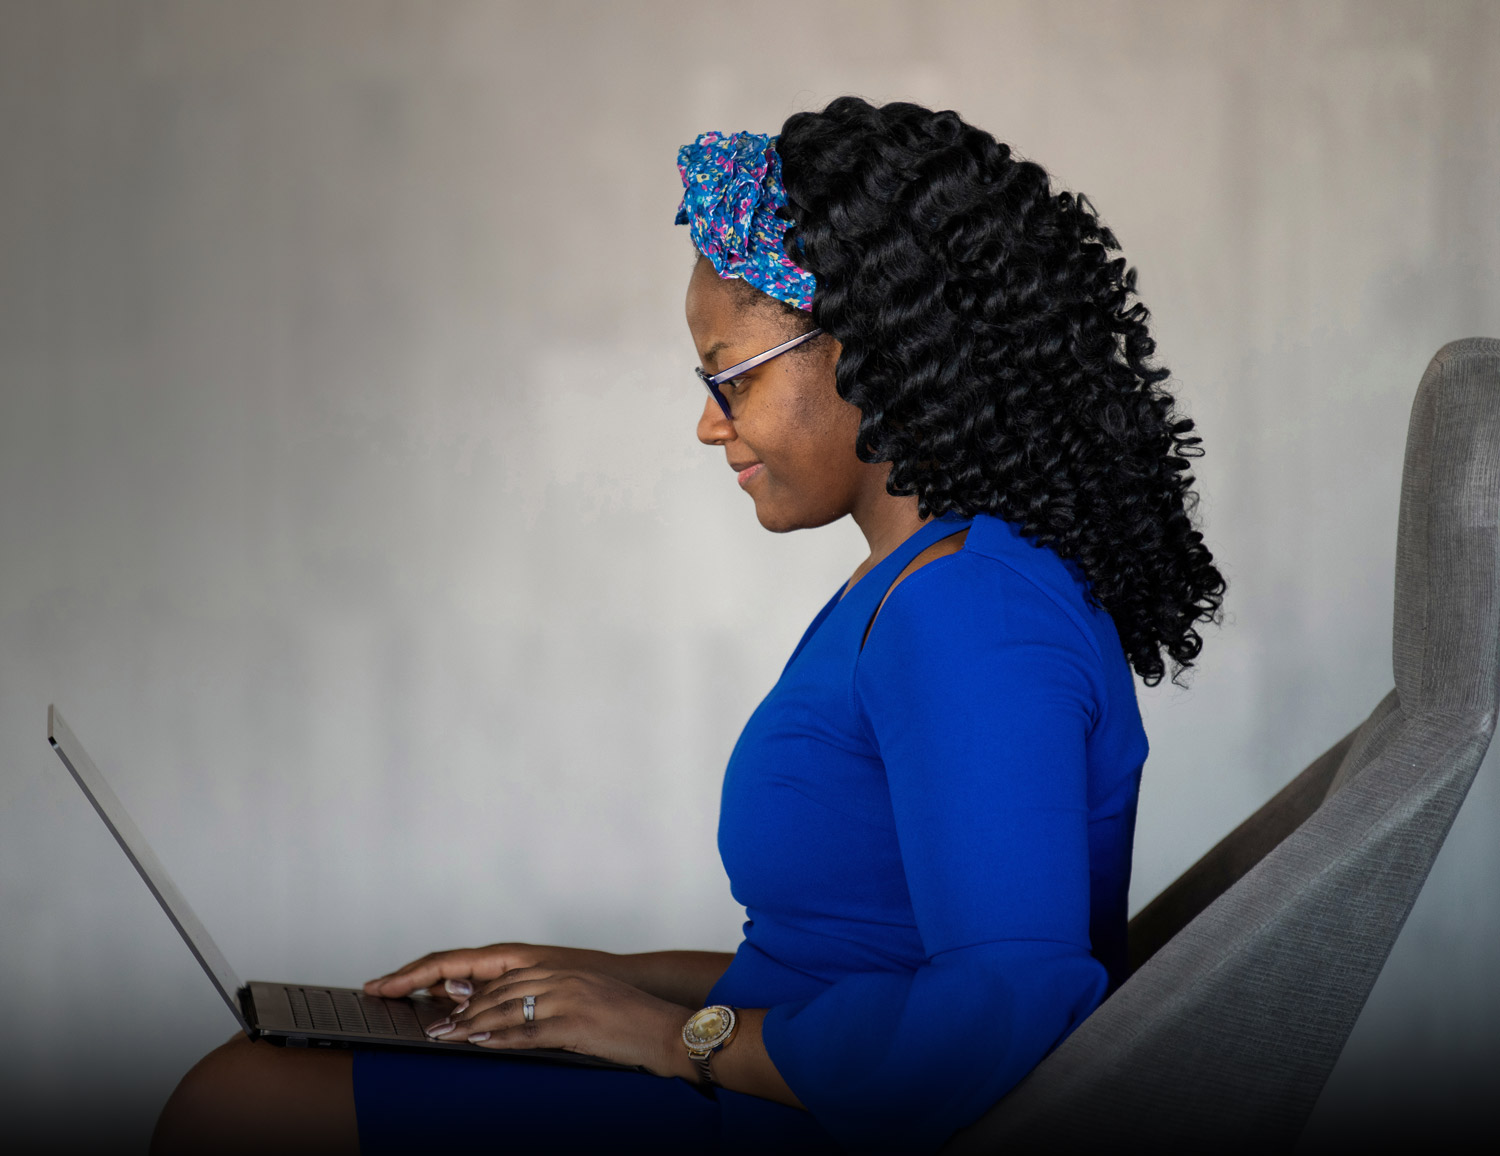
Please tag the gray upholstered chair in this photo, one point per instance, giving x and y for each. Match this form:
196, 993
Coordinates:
1252, 967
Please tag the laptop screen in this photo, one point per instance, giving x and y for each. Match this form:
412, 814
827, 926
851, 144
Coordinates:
76, 759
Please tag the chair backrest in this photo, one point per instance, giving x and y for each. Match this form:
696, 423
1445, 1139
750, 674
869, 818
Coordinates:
1255, 964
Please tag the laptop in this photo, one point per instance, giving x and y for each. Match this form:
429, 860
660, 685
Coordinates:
290, 1014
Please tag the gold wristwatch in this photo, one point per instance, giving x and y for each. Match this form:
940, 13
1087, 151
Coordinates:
705, 1033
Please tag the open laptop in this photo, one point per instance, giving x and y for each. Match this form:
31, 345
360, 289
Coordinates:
292, 1014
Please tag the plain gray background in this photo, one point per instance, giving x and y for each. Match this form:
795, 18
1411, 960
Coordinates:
350, 505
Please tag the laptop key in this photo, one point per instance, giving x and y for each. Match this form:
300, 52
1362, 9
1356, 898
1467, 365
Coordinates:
351, 1017
320, 1010
404, 1022
376, 1016
301, 1017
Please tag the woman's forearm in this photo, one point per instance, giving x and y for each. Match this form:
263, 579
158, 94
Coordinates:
680, 977
742, 1065
685, 978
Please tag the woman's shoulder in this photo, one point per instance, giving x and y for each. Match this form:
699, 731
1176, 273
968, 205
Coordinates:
999, 584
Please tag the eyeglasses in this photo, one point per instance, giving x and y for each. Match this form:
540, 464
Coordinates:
713, 381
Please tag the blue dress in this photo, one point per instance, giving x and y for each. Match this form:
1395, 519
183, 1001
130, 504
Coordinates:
930, 831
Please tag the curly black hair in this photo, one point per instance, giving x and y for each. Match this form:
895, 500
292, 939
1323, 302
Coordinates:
997, 359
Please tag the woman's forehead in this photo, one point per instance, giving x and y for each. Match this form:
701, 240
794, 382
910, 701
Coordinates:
722, 316
708, 293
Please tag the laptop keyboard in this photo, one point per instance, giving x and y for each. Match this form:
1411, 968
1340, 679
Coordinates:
324, 1010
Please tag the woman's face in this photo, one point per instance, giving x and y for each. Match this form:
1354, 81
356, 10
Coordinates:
792, 438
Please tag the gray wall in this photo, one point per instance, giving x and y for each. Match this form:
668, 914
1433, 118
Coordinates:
350, 505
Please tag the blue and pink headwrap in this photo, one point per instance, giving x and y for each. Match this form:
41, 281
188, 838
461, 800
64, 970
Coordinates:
731, 191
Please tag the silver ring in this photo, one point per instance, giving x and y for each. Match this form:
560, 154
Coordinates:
528, 1008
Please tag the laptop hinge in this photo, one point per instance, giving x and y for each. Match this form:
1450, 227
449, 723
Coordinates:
247, 1009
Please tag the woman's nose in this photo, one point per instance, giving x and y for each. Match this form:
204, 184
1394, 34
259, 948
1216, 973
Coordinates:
714, 429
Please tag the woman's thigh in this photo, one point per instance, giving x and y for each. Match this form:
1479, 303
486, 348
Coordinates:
247, 1096
417, 1102
421, 1102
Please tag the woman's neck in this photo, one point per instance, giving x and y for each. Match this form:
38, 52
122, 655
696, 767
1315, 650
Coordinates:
886, 522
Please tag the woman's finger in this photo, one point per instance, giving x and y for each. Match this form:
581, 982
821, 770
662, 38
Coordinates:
443, 972
514, 976
552, 1032
500, 1009
507, 1014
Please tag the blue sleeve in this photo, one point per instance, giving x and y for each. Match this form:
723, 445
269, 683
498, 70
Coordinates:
979, 692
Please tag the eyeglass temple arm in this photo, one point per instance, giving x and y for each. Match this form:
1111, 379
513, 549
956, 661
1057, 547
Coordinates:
761, 358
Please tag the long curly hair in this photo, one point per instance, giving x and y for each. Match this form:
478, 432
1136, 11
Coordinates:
997, 358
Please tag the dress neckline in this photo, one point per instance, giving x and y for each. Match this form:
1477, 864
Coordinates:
925, 535
933, 530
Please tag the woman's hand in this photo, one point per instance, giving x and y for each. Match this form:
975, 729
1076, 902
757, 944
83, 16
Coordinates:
575, 1011
458, 974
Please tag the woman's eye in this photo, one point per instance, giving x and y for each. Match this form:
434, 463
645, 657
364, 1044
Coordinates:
735, 384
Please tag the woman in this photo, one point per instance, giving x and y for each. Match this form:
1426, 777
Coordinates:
929, 818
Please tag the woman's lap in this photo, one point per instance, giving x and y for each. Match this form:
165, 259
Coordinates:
414, 1101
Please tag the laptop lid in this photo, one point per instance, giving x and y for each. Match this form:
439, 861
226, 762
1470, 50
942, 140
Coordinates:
87, 776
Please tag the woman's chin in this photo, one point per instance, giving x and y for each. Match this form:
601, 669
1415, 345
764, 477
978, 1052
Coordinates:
775, 516
780, 520
775, 520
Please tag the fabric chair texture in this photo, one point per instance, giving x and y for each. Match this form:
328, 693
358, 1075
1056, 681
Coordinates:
1252, 968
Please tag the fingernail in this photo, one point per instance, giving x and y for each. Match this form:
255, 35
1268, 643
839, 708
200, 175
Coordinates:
479, 1037
460, 1007
457, 987
441, 1029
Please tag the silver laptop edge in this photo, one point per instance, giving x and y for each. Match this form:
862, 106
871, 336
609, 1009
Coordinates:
139, 852
263, 1010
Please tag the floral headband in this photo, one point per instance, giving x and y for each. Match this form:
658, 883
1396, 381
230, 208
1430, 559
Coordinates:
731, 191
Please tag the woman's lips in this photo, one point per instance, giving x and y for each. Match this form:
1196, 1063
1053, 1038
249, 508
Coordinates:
749, 472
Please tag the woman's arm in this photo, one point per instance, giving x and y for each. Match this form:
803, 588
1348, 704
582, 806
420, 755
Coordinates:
982, 714
602, 1015
678, 977
742, 1065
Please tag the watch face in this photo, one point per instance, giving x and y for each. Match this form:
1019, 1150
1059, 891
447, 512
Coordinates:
708, 1027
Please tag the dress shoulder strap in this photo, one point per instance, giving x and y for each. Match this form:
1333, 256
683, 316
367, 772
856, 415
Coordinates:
874, 587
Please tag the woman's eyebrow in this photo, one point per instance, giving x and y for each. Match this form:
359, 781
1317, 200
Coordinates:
713, 351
